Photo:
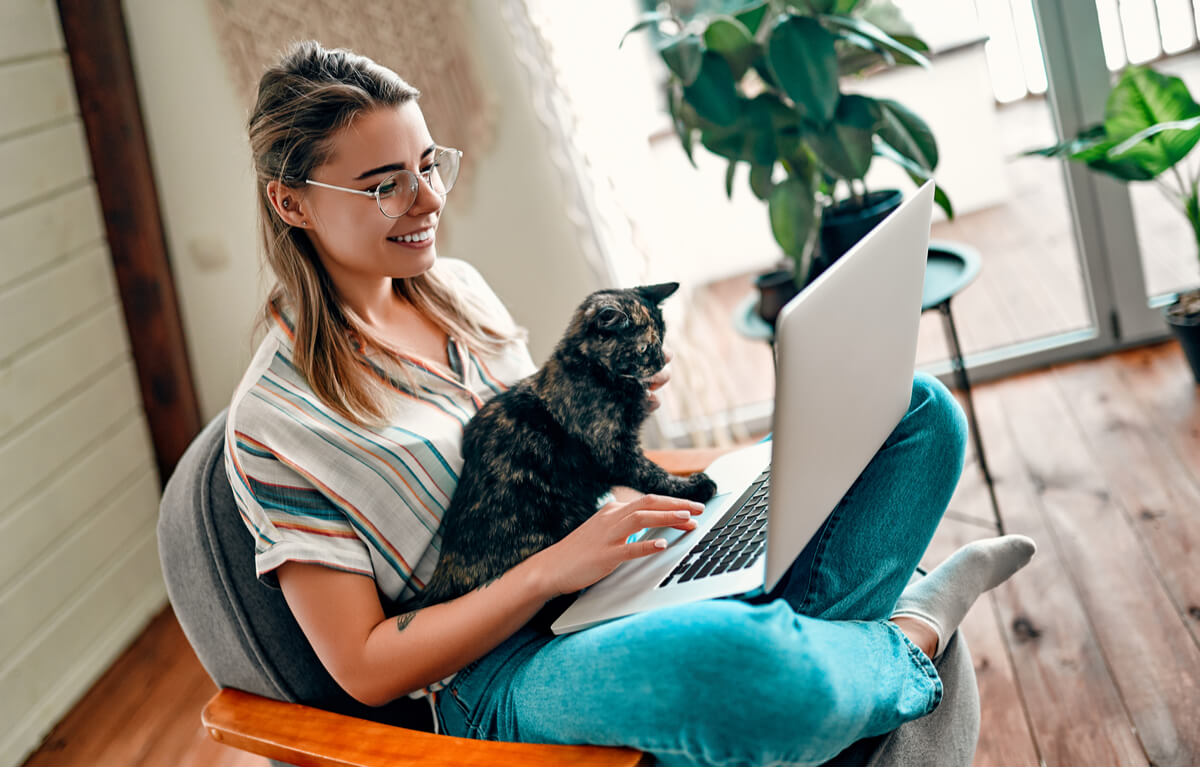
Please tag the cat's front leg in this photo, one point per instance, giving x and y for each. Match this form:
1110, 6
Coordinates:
648, 477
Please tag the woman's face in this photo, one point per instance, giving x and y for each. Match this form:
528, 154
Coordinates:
355, 241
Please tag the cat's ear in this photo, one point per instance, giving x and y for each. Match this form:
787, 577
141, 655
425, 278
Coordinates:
656, 294
610, 319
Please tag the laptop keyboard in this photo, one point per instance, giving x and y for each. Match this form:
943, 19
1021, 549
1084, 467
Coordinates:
734, 543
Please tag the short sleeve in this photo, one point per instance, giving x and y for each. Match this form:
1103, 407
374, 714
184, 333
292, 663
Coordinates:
290, 518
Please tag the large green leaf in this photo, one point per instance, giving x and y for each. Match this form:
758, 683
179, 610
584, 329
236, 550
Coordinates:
915, 172
730, 38
803, 60
792, 207
1088, 137
760, 181
1092, 146
759, 116
683, 127
713, 93
683, 56
844, 147
866, 44
903, 53
752, 15
646, 20
1141, 99
907, 134
1137, 138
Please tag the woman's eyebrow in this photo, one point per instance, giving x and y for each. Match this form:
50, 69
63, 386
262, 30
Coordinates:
393, 166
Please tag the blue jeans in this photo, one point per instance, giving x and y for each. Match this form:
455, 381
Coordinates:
794, 676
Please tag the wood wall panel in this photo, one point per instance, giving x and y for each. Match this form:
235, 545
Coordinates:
34, 530
35, 92
28, 28
79, 573
41, 376
40, 307
68, 433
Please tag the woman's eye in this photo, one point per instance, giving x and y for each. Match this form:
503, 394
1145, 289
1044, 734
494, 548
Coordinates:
386, 188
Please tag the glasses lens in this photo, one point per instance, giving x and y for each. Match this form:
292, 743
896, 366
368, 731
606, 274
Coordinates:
444, 172
397, 193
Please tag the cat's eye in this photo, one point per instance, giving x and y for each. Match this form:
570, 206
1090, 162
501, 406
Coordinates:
611, 318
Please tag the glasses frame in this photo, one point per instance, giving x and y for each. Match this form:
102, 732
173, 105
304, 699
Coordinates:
426, 175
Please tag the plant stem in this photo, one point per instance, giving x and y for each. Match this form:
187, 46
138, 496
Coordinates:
1170, 193
1183, 188
1191, 209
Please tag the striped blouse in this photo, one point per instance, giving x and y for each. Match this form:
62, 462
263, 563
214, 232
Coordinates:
313, 487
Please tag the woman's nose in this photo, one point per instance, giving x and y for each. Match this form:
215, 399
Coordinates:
427, 200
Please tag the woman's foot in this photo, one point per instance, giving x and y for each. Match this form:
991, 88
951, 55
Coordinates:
941, 600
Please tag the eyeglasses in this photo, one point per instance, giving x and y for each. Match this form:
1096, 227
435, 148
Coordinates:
397, 193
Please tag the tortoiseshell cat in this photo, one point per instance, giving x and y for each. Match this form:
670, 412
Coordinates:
539, 456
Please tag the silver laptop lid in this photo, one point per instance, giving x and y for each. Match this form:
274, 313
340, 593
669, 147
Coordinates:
845, 349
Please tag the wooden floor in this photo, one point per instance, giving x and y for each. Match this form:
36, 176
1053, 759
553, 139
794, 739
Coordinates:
1089, 656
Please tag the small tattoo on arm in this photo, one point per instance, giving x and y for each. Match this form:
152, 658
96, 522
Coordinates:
404, 620
488, 583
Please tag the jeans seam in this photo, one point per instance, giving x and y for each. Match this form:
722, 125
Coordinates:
921, 660
819, 557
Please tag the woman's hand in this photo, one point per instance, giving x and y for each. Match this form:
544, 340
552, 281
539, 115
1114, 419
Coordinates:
596, 548
658, 380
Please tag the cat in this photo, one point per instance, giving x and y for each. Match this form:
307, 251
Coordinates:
538, 456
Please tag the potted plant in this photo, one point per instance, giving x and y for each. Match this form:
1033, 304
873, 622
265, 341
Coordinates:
1151, 123
761, 86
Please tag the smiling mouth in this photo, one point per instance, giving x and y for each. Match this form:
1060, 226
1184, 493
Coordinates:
415, 237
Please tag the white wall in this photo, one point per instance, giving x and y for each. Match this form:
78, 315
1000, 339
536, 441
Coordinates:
79, 574
196, 130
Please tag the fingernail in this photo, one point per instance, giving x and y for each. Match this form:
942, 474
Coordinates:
682, 514
660, 543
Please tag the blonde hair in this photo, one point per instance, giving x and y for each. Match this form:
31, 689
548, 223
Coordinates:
303, 100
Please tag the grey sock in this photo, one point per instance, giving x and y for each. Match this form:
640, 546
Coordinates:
943, 597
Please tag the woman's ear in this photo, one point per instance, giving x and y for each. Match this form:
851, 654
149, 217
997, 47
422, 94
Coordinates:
287, 203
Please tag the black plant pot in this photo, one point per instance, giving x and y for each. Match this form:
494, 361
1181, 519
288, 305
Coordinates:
1185, 324
844, 224
775, 290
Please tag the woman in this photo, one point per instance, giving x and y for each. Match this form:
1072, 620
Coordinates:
343, 449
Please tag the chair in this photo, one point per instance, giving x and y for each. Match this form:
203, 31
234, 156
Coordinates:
276, 700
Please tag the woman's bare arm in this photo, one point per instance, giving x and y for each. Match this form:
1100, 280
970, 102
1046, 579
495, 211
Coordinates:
376, 658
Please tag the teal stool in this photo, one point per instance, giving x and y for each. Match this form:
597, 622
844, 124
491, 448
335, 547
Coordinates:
950, 268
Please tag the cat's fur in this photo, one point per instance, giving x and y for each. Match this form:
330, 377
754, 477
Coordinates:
539, 456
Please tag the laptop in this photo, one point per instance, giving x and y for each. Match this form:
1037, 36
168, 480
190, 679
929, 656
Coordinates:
845, 349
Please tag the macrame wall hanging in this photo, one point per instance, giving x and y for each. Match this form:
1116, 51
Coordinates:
426, 43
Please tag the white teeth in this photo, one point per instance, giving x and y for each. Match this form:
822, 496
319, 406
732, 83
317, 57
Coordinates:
417, 237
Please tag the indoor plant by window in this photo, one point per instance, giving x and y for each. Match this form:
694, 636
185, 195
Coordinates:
761, 86
1151, 123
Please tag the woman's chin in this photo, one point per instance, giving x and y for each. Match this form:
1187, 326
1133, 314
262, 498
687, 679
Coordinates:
416, 262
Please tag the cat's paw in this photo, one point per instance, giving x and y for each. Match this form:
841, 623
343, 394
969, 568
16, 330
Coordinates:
699, 487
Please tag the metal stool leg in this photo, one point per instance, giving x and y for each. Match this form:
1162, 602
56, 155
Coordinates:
963, 383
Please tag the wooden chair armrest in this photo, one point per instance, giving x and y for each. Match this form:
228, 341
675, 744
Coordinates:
301, 735
686, 461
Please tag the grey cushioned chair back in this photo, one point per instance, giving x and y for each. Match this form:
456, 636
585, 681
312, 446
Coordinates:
246, 637
241, 629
